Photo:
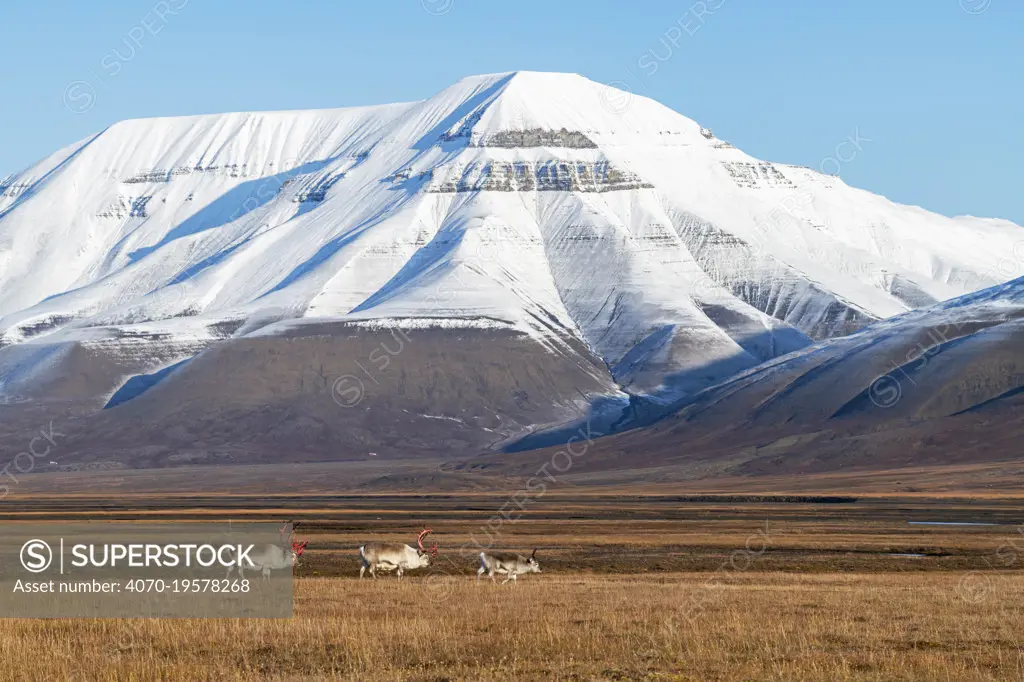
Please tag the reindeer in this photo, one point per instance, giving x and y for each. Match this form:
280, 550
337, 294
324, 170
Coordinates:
393, 556
274, 557
505, 562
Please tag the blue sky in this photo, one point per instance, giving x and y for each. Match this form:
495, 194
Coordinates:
933, 88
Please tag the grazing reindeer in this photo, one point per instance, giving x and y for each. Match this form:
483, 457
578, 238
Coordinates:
393, 556
274, 557
508, 563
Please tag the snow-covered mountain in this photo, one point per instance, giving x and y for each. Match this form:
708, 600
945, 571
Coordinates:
939, 361
938, 387
584, 222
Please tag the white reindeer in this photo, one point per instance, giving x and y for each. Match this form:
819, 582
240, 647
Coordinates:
394, 556
512, 565
274, 557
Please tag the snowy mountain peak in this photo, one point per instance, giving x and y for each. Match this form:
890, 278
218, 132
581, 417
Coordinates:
526, 101
547, 204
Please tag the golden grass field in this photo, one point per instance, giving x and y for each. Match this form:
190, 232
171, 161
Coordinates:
749, 626
633, 588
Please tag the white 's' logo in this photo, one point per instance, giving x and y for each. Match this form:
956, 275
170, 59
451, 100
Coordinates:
36, 556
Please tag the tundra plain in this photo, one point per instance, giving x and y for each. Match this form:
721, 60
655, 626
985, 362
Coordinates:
635, 587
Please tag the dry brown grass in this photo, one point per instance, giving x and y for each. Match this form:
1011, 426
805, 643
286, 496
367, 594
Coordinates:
624, 596
764, 626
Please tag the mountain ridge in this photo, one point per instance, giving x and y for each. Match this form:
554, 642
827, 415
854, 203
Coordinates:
544, 208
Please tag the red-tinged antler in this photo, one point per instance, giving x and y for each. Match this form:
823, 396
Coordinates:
299, 547
419, 541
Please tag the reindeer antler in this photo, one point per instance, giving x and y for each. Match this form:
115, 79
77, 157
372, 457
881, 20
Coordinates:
534, 553
288, 536
419, 541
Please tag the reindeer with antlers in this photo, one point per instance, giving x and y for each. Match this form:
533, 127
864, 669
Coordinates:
275, 557
393, 556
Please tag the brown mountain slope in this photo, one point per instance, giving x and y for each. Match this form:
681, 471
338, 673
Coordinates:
939, 387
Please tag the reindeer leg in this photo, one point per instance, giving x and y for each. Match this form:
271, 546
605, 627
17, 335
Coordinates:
362, 569
490, 574
511, 576
399, 572
479, 572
